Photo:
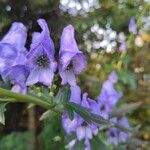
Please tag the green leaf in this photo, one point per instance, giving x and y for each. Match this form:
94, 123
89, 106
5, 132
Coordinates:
128, 78
86, 114
63, 95
91, 117
98, 144
45, 115
2, 110
31, 105
128, 108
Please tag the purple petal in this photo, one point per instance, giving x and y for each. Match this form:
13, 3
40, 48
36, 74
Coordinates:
113, 77
80, 133
69, 51
84, 100
16, 36
16, 74
65, 59
132, 26
33, 77
68, 77
43, 38
68, 42
113, 136
75, 94
94, 106
79, 63
87, 144
69, 125
94, 129
88, 132
18, 89
46, 76
8, 55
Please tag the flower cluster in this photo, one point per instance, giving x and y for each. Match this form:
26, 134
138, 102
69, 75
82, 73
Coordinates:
23, 67
106, 102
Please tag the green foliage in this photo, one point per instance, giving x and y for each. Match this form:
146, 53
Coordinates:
99, 144
126, 109
52, 135
16, 141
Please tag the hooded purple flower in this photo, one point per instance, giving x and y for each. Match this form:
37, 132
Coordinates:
83, 130
17, 75
72, 60
12, 50
132, 26
115, 136
108, 95
41, 57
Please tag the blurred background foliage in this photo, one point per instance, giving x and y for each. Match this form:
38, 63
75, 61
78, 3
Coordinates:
98, 24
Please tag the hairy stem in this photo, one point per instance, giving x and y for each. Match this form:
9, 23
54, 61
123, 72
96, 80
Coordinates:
16, 97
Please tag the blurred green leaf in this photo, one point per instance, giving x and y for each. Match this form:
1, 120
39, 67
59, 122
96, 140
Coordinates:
45, 115
63, 95
128, 78
16, 141
98, 144
126, 109
86, 114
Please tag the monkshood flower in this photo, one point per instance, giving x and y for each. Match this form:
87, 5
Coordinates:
109, 96
132, 25
12, 50
84, 130
115, 136
72, 60
41, 59
17, 75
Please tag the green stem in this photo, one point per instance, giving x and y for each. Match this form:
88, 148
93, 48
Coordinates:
16, 97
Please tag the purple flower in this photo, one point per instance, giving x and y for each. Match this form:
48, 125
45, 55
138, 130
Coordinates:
12, 50
115, 136
41, 57
122, 135
132, 26
84, 130
72, 60
109, 96
122, 46
17, 75
16, 36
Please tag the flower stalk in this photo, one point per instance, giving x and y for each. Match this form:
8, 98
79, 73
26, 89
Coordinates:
15, 97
